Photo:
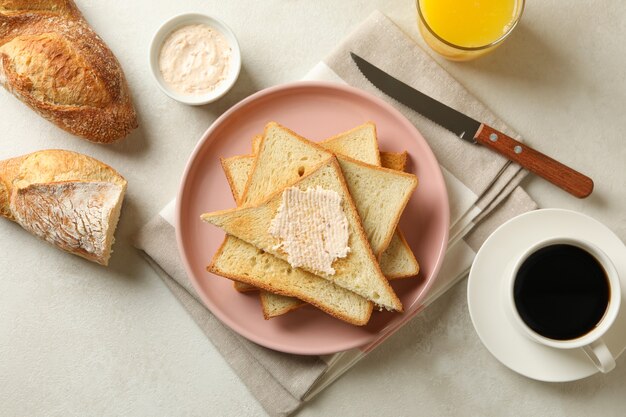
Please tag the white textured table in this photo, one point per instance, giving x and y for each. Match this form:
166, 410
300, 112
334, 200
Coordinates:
78, 339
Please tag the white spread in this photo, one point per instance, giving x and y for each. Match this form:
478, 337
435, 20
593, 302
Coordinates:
195, 59
312, 227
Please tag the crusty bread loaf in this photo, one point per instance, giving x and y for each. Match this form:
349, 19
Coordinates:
78, 217
68, 199
258, 268
360, 143
54, 7
358, 271
53, 61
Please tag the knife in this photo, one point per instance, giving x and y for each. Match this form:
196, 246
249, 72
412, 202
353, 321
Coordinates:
474, 131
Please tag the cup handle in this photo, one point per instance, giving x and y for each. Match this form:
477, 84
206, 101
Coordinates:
600, 356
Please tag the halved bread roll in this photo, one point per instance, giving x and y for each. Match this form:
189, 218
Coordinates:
67, 199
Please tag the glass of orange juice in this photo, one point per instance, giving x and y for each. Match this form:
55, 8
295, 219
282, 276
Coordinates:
461, 30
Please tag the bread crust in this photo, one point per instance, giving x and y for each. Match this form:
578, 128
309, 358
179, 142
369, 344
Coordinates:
412, 260
47, 166
53, 7
394, 160
268, 314
229, 175
9, 170
243, 287
52, 60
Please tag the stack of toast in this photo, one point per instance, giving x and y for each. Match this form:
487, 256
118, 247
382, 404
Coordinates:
374, 190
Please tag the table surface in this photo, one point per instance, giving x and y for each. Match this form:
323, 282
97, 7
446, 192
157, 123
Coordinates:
79, 339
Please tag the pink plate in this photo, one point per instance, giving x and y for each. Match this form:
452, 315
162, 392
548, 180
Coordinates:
315, 110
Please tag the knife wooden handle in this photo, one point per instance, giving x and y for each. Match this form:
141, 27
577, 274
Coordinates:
558, 174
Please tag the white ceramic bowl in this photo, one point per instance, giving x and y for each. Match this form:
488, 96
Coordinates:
190, 19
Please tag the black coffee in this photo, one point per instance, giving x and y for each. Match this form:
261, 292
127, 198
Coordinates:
561, 292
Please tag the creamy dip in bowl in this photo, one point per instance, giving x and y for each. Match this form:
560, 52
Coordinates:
195, 58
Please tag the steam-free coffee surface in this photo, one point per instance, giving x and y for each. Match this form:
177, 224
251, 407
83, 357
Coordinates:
561, 292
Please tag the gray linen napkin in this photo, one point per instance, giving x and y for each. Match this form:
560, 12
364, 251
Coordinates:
483, 190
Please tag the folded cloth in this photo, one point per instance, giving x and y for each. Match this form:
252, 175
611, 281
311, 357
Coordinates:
482, 188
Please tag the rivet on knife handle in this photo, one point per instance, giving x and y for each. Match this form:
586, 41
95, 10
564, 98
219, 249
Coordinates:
558, 174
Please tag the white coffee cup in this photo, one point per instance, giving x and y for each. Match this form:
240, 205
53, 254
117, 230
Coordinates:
591, 342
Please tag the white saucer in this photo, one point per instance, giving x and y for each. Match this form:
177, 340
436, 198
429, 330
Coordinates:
486, 307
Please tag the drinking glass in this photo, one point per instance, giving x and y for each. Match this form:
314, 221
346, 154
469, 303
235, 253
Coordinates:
472, 45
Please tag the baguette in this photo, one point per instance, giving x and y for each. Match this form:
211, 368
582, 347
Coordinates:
70, 200
52, 60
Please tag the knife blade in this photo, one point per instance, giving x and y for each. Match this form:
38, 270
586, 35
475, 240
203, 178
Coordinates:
474, 131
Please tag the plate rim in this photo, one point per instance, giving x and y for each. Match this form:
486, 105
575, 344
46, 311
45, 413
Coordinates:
204, 141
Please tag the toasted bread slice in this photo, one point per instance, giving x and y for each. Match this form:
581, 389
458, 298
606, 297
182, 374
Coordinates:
258, 268
256, 142
394, 160
238, 168
360, 143
358, 271
398, 261
283, 158
274, 305
241, 166
380, 194
294, 164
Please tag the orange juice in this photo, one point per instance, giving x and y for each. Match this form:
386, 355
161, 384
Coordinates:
472, 26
